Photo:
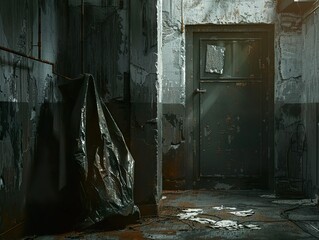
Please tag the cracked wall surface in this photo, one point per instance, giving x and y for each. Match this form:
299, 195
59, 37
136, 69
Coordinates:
145, 89
289, 46
288, 97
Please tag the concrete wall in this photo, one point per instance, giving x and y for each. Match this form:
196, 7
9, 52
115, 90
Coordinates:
122, 49
146, 134
288, 101
24, 86
288, 44
310, 110
106, 56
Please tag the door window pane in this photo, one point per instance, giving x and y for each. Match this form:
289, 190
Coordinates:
215, 57
231, 58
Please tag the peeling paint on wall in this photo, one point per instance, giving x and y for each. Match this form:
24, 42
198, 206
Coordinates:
289, 91
228, 12
289, 45
145, 87
174, 144
201, 12
173, 130
290, 61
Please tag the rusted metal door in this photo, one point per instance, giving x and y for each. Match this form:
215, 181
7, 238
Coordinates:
230, 103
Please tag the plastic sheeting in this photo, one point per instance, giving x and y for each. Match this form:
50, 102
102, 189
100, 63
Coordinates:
100, 154
93, 168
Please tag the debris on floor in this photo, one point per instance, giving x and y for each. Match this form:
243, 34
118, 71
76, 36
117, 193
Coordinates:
222, 186
192, 214
193, 210
233, 225
222, 207
227, 224
253, 227
203, 220
189, 213
268, 196
244, 213
270, 221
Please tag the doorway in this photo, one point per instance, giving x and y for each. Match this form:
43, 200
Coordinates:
230, 104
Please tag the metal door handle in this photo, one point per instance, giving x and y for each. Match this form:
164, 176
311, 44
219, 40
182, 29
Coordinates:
200, 90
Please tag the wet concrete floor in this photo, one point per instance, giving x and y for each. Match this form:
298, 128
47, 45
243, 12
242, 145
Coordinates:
212, 215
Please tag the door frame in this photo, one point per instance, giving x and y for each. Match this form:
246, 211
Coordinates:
191, 125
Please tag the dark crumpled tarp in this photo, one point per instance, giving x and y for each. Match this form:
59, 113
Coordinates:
99, 152
98, 170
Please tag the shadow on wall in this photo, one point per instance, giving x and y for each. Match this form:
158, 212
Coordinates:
51, 205
291, 141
